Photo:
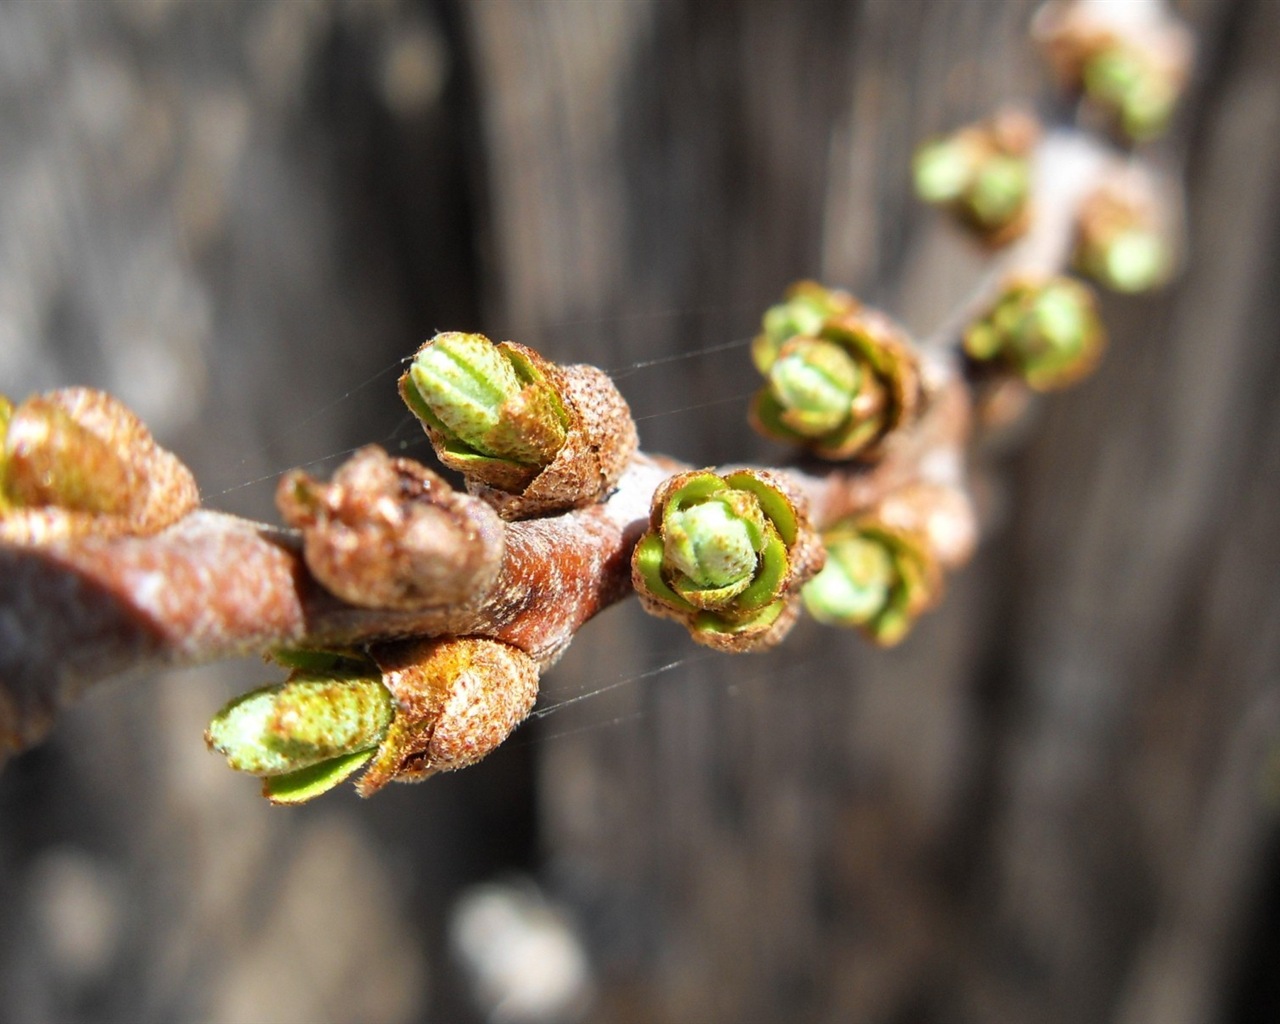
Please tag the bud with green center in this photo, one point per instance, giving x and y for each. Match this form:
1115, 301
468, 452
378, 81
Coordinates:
840, 391
981, 174
807, 306
814, 383
1122, 241
712, 544
1130, 69
876, 578
1000, 191
725, 556
1139, 93
306, 735
1133, 261
1048, 332
489, 408
943, 170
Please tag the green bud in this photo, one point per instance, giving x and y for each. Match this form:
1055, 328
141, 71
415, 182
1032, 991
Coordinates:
711, 543
981, 174
807, 307
1122, 236
943, 170
1140, 94
854, 585
725, 556
1048, 333
840, 392
1113, 73
485, 401
876, 579
1000, 191
1056, 327
1133, 261
814, 382
301, 723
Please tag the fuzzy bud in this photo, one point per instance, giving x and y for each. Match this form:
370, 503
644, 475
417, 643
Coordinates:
531, 437
389, 533
77, 462
456, 699
405, 710
308, 734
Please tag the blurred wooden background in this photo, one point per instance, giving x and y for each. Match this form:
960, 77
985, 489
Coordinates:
1058, 802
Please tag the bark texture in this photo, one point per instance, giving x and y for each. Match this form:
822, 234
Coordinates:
1057, 802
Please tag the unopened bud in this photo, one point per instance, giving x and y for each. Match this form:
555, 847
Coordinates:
876, 578
456, 699
486, 404
841, 391
76, 462
308, 734
531, 437
389, 533
806, 307
1046, 332
1130, 61
815, 383
982, 175
1123, 236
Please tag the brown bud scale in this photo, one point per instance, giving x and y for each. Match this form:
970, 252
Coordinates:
80, 463
390, 533
600, 440
456, 700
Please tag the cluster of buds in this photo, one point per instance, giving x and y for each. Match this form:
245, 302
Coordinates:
1129, 61
732, 556
78, 462
1045, 332
402, 711
529, 436
840, 377
982, 175
726, 556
